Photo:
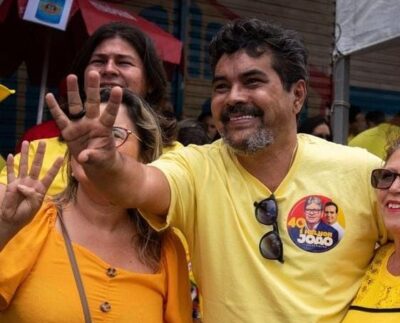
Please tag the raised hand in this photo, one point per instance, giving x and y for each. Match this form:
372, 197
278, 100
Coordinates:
24, 192
87, 133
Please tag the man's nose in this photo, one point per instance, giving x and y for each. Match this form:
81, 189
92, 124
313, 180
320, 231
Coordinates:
236, 94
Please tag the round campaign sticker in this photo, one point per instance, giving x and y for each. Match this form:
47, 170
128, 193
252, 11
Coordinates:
316, 223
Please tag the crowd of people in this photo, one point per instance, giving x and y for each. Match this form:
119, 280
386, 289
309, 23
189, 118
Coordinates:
270, 217
372, 131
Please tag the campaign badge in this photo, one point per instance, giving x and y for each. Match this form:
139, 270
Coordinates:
316, 223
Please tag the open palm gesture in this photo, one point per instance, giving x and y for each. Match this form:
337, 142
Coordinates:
87, 132
24, 192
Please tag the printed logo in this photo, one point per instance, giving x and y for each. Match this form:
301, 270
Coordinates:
316, 223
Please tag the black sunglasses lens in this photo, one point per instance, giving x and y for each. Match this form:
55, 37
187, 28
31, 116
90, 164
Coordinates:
267, 211
382, 178
271, 246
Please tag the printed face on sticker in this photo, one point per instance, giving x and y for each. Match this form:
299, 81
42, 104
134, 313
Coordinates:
330, 214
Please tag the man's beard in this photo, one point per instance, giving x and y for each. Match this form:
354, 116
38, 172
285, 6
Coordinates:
255, 141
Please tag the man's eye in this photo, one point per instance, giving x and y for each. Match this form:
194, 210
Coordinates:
220, 87
252, 82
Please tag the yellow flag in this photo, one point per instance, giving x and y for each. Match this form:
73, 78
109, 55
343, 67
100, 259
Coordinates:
5, 92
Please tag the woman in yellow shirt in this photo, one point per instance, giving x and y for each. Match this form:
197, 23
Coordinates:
129, 272
378, 299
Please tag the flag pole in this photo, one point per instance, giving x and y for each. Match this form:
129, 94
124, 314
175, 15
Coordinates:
43, 82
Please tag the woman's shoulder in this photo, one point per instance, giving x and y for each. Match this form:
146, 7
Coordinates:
46, 215
41, 224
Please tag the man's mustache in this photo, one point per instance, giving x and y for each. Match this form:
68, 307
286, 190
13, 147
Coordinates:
241, 110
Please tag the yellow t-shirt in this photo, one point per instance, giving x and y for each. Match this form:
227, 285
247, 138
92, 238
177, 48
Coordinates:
212, 203
37, 283
54, 149
378, 299
176, 145
2, 162
376, 139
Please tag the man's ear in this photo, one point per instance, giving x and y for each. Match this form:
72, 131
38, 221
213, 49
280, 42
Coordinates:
299, 95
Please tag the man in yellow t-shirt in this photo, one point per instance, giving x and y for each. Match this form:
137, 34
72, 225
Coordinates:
377, 139
237, 199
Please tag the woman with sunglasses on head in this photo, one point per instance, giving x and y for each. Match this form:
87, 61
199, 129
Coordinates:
80, 258
378, 299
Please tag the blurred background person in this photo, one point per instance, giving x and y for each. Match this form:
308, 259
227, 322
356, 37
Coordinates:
169, 121
374, 118
357, 122
317, 126
377, 139
191, 131
207, 120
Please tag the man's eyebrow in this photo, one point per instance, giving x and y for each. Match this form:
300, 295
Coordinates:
218, 78
252, 72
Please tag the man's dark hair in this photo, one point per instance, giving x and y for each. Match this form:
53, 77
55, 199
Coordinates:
257, 37
155, 73
333, 204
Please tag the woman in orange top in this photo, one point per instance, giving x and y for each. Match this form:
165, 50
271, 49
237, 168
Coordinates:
129, 272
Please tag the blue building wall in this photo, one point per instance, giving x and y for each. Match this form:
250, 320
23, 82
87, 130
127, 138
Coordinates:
373, 99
